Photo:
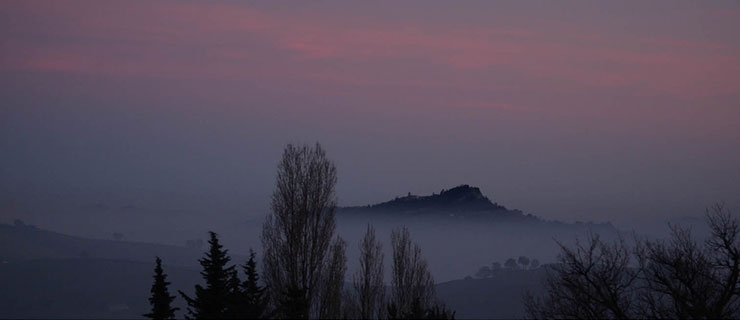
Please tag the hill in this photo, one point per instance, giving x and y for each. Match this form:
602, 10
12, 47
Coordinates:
496, 297
26, 242
460, 230
461, 203
83, 288
460, 199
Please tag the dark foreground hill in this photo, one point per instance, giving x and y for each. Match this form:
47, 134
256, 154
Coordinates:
83, 288
497, 297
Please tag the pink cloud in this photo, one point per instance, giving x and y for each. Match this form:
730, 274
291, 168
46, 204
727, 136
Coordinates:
493, 105
233, 40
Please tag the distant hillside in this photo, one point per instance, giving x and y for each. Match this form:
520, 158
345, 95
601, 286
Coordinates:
463, 202
497, 297
461, 229
24, 242
44, 274
78, 288
463, 198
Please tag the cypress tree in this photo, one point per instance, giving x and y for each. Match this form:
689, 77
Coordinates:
212, 301
161, 300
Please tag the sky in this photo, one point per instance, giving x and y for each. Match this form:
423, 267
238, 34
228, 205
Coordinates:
577, 110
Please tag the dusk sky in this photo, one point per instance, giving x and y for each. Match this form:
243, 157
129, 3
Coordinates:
578, 110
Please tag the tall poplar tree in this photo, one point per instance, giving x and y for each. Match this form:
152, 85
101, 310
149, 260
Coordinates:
298, 233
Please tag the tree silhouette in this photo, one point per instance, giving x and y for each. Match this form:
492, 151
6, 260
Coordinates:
524, 261
411, 281
212, 301
511, 264
591, 281
333, 286
298, 232
161, 300
413, 295
416, 311
678, 278
253, 301
368, 281
233, 305
686, 279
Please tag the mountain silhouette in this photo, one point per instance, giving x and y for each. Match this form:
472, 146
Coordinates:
463, 201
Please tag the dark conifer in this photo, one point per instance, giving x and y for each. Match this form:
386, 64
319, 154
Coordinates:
247, 300
161, 300
254, 299
212, 301
234, 303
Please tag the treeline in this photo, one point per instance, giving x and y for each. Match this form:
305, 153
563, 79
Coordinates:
522, 263
304, 262
678, 278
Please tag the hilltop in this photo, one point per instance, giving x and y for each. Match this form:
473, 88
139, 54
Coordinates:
460, 198
463, 202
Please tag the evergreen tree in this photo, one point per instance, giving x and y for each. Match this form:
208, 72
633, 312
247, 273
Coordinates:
234, 304
161, 300
254, 300
212, 301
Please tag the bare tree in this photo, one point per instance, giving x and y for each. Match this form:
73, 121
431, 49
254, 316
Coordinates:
298, 232
685, 279
412, 283
592, 281
678, 278
333, 285
369, 288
